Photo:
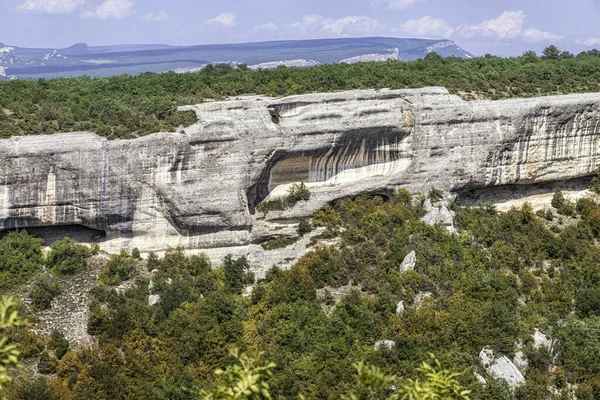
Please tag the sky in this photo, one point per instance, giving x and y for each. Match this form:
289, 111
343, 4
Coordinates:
506, 27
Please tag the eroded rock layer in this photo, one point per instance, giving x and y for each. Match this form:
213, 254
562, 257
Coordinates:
195, 189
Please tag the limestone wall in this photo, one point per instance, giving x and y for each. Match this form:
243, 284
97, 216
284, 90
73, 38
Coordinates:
194, 189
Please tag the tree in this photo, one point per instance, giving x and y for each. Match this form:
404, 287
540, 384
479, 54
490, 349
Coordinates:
433, 56
566, 54
9, 317
236, 272
44, 290
530, 56
439, 383
243, 380
564, 206
20, 257
551, 52
67, 257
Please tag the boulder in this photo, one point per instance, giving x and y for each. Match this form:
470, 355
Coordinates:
409, 262
439, 213
153, 299
385, 344
501, 368
400, 308
541, 340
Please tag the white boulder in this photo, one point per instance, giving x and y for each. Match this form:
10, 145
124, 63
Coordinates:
385, 344
409, 262
400, 307
541, 340
501, 368
153, 299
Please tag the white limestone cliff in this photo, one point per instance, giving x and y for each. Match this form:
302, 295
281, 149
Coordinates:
196, 189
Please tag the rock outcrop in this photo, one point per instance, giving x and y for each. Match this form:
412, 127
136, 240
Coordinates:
196, 189
409, 262
500, 367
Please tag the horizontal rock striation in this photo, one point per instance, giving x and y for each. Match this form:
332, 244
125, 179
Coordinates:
195, 189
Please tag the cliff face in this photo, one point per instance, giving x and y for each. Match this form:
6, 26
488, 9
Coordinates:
194, 189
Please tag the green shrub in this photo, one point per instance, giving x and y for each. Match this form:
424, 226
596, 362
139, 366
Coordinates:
58, 343
38, 389
595, 184
95, 249
435, 195
279, 242
327, 217
237, 273
304, 227
118, 269
67, 257
20, 257
135, 253
296, 193
564, 206
44, 290
47, 364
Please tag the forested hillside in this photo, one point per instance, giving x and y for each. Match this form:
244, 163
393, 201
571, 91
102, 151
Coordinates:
125, 106
503, 276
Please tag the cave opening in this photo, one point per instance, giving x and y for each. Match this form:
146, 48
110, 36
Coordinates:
51, 234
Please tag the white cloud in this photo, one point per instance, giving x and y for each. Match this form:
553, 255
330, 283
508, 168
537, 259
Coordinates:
347, 26
507, 25
533, 35
395, 4
160, 16
268, 27
51, 6
589, 41
110, 9
226, 19
427, 27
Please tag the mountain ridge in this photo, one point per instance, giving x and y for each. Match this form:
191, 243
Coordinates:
97, 61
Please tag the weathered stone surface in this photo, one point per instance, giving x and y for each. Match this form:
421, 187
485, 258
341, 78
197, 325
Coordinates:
542, 340
439, 213
385, 344
409, 262
195, 189
153, 299
400, 307
501, 368
520, 361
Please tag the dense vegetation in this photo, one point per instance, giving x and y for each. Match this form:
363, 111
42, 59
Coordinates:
503, 276
178, 318
126, 106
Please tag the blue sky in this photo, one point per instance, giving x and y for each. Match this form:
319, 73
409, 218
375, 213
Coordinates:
506, 27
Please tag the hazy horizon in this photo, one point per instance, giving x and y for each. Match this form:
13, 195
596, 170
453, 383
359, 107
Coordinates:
480, 27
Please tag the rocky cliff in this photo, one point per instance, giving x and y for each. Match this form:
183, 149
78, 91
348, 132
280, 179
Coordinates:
195, 189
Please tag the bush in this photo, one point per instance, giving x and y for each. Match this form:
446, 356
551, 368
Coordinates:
237, 273
435, 195
67, 257
58, 343
20, 257
31, 390
595, 184
47, 364
135, 253
44, 290
296, 193
279, 242
304, 227
118, 269
564, 206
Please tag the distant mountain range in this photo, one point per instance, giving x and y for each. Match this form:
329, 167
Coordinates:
97, 61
